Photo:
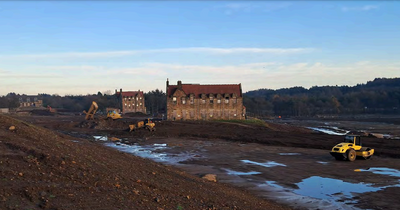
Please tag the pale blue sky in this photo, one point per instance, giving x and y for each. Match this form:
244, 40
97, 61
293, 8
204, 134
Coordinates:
80, 47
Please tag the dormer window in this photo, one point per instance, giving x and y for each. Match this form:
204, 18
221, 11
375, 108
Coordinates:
174, 100
234, 98
191, 99
211, 99
183, 100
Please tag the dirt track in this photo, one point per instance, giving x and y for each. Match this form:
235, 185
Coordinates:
222, 148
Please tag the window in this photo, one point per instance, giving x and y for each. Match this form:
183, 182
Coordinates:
219, 101
137, 98
211, 100
125, 104
28, 100
174, 99
140, 104
203, 101
226, 100
35, 99
183, 100
234, 100
191, 100
140, 98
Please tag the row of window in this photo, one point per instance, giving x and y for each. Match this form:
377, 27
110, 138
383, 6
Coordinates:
129, 105
129, 98
209, 115
28, 100
203, 101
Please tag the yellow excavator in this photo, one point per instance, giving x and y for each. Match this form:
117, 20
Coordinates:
351, 148
92, 110
147, 124
112, 114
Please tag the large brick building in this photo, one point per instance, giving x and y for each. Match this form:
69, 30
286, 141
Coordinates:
131, 101
204, 102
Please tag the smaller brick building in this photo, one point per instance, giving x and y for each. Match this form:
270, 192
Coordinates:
30, 101
131, 101
204, 102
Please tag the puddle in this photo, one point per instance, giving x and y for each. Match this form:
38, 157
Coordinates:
330, 130
153, 152
321, 193
383, 171
100, 138
238, 173
322, 162
266, 164
289, 153
327, 188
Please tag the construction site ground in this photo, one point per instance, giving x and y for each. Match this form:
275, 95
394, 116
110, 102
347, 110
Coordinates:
55, 162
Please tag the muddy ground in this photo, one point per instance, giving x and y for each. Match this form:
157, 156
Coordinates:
277, 162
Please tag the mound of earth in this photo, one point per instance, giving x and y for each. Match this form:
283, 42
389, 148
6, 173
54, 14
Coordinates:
44, 169
42, 112
135, 114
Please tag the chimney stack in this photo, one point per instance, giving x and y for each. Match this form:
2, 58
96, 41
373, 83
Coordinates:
179, 84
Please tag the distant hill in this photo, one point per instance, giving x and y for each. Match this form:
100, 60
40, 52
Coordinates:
380, 96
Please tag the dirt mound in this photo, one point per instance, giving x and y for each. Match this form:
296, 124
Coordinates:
135, 114
42, 112
43, 169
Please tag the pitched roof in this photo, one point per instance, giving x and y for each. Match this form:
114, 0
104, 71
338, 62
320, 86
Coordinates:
198, 89
130, 93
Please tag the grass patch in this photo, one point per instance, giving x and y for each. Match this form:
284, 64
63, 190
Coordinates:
254, 121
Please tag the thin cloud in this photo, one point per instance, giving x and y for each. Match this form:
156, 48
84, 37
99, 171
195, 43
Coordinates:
251, 7
253, 76
205, 50
363, 8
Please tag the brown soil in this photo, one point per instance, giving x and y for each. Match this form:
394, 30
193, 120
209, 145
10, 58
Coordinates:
58, 167
43, 169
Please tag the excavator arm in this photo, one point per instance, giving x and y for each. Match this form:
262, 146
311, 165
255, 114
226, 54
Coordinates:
92, 110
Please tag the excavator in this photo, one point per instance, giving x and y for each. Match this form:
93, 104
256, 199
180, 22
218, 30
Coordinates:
147, 124
92, 110
112, 114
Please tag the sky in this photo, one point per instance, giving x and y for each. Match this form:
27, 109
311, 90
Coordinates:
83, 47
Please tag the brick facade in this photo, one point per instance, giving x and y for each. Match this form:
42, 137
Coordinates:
131, 101
204, 102
30, 101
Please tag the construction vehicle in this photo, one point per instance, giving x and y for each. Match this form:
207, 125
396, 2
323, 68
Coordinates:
350, 149
112, 114
92, 110
147, 124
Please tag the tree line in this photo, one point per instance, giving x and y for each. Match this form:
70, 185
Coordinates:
155, 101
380, 96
